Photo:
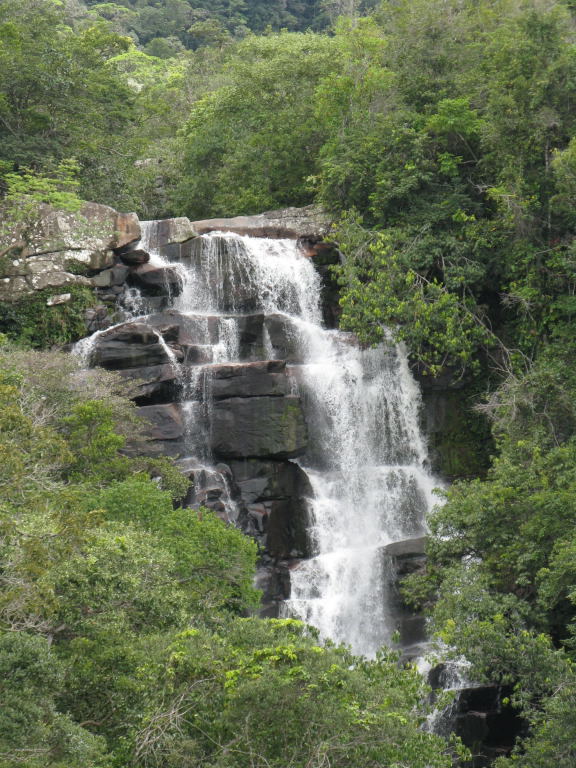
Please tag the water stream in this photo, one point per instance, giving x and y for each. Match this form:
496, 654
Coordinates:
366, 459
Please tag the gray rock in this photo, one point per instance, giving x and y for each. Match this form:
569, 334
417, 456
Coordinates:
96, 228
166, 231
164, 422
308, 222
265, 378
158, 280
151, 380
186, 329
131, 345
271, 427
61, 298
407, 547
137, 256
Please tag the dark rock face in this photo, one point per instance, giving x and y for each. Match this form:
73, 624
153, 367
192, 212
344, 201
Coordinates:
165, 421
276, 495
325, 256
400, 559
479, 715
260, 379
213, 488
155, 280
135, 257
283, 336
131, 345
271, 427
153, 382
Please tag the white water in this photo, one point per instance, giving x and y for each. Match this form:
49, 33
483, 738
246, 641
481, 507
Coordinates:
366, 459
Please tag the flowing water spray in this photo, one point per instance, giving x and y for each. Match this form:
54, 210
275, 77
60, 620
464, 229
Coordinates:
366, 459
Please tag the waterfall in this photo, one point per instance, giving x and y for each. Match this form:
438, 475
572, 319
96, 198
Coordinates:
366, 458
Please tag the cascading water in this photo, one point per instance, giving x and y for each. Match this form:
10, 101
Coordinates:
367, 469
366, 459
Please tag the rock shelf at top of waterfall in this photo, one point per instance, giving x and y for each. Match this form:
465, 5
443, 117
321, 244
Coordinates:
234, 365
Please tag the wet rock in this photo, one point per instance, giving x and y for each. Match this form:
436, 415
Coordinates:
164, 422
131, 345
271, 427
325, 255
284, 338
276, 498
186, 329
266, 480
274, 581
226, 280
135, 257
409, 555
155, 382
288, 521
212, 488
155, 280
486, 726
267, 378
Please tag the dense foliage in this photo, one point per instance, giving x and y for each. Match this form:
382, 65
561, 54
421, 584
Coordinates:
124, 636
441, 135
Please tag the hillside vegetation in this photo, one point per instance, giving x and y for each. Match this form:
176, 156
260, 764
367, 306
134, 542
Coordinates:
441, 136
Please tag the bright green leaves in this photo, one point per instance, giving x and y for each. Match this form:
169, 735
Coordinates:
94, 442
32, 732
58, 189
383, 295
250, 145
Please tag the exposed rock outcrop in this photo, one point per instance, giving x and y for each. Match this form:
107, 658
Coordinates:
129, 346
310, 222
57, 248
258, 427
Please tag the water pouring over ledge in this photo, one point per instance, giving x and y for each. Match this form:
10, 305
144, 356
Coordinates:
365, 458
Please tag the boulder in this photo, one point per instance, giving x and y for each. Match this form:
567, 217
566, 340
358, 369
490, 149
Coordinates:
130, 345
57, 247
164, 422
271, 427
54, 279
60, 298
95, 228
264, 378
155, 280
310, 222
137, 256
405, 548
153, 381
165, 231
107, 278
